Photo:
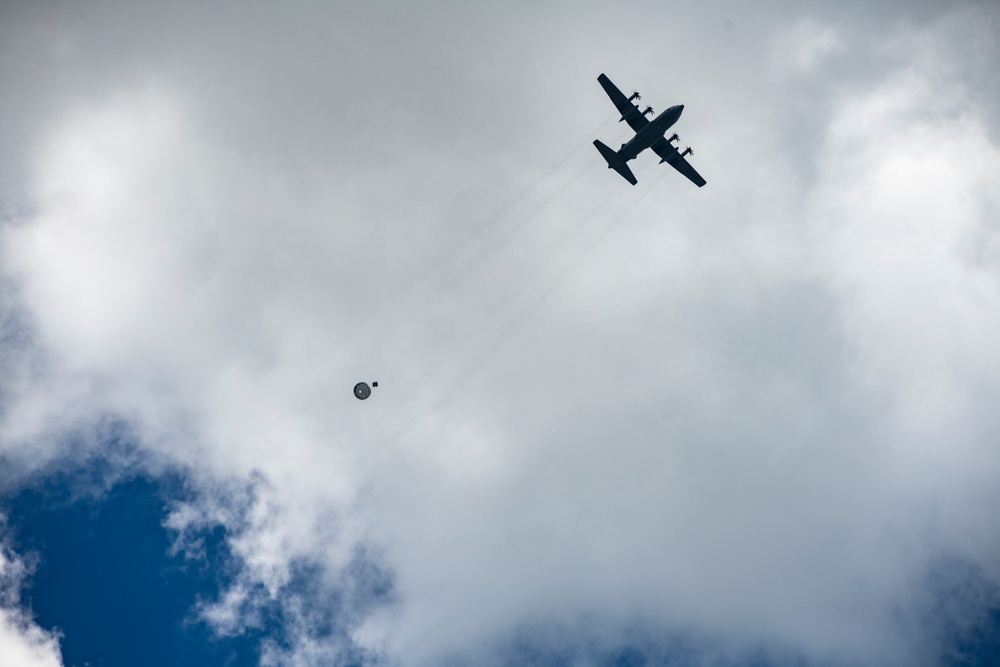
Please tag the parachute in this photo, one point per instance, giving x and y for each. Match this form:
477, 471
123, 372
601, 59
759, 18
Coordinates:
363, 391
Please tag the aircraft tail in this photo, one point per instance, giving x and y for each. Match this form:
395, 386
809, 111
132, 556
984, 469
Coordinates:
615, 162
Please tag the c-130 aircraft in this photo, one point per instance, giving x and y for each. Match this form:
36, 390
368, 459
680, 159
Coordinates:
648, 134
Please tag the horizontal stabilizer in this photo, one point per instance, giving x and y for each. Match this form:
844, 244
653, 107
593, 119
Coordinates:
615, 162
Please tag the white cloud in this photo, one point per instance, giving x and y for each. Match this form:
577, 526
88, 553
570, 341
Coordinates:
758, 411
22, 642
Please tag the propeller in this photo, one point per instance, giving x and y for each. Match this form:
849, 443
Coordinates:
634, 96
647, 111
687, 151
673, 137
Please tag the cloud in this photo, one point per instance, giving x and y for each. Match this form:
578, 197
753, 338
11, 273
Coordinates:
752, 415
802, 49
23, 643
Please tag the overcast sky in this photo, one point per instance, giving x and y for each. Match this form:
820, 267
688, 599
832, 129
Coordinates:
751, 423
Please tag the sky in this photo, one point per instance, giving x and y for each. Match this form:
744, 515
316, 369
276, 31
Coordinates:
750, 424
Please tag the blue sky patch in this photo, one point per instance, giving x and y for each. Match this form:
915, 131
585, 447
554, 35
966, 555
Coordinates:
104, 577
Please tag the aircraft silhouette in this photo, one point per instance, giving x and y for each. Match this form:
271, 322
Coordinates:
648, 134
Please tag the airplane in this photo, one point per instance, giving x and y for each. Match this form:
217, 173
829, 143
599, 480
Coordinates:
648, 134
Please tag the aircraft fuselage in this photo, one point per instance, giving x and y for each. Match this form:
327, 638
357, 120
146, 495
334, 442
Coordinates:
648, 135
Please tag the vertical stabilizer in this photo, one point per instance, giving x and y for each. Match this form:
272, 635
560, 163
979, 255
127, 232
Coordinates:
615, 162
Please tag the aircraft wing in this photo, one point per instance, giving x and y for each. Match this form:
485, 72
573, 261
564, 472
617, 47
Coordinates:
669, 154
630, 112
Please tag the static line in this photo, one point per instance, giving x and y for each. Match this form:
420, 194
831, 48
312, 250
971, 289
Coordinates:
509, 321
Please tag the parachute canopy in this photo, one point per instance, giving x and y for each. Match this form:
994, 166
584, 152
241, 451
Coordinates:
363, 391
